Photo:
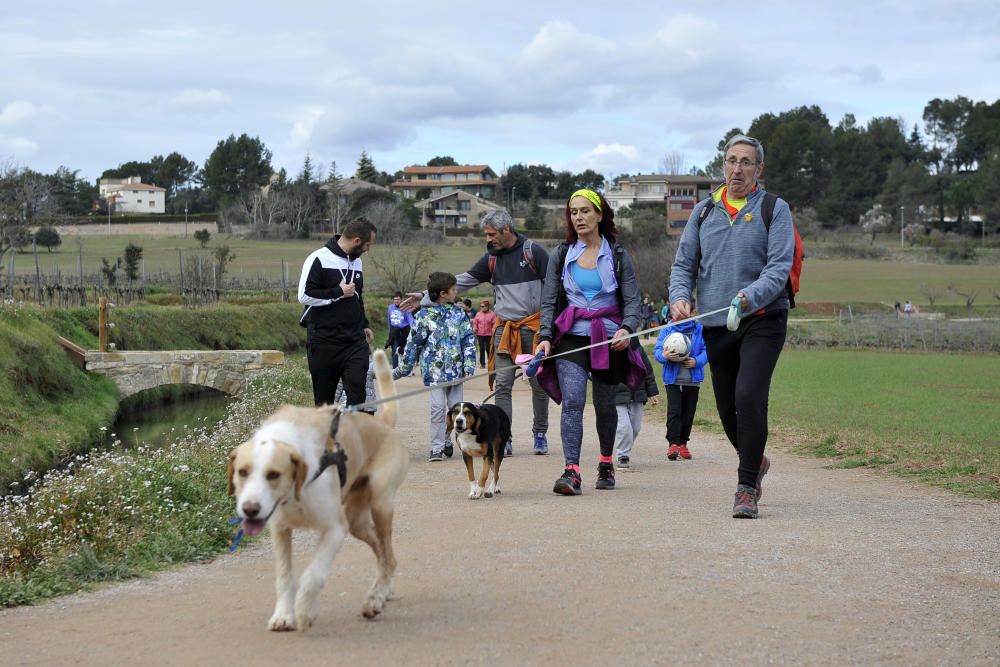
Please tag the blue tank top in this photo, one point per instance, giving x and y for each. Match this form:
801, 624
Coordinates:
588, 280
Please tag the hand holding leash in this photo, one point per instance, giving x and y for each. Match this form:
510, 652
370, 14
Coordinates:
735, 313
532, 369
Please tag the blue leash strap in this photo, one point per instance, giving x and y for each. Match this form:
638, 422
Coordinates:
239, 534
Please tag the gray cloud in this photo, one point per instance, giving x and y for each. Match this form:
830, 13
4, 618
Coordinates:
541, 82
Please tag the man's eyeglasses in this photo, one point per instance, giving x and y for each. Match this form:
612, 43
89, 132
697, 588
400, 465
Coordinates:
744, 163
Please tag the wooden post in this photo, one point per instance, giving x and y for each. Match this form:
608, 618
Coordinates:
102, 325
38, 273
284, 282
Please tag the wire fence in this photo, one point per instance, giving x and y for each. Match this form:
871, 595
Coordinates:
926, 333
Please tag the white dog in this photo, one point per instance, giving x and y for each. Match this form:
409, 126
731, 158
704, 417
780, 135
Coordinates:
279, 481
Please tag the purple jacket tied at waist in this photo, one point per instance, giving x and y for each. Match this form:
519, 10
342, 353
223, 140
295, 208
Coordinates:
600, 356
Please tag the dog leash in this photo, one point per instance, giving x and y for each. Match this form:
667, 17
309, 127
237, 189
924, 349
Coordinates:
538, 359
732, 323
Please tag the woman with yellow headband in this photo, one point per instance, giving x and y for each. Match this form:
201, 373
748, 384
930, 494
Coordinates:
590, 295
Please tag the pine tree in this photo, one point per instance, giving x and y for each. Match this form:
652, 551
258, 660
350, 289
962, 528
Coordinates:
307, 171
366, 168
536, 218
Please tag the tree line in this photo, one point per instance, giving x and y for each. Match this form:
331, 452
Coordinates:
937, 176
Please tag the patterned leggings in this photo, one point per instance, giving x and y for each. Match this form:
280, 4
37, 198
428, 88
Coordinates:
573, 383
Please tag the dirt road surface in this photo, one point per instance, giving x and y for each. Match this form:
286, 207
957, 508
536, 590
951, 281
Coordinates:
843, 567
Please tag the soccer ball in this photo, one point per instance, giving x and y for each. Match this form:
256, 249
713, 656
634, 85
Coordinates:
677, 343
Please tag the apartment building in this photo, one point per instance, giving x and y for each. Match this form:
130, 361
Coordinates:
454, 210
678, 194
131, 195
478, 180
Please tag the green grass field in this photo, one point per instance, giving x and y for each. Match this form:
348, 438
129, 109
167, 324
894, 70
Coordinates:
253, 258
839, 281
935, 417
870, 281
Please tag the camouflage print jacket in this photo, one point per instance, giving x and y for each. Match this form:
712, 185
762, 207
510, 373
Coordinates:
443, 340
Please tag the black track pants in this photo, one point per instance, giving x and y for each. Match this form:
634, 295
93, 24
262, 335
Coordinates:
742, 363
328, 364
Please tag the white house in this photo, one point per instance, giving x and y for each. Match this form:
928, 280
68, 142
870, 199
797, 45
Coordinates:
130, 195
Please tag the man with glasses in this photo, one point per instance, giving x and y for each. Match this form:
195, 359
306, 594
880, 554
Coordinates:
730, 254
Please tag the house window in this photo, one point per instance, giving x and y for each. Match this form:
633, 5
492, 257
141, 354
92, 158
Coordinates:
138, 201
464, 205
439, 219
462, 220
152, 204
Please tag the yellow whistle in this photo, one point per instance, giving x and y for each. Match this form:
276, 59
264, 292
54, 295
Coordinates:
748, 217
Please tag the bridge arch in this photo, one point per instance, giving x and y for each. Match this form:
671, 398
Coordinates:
227, 371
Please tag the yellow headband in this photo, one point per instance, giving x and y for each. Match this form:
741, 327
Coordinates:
594, 198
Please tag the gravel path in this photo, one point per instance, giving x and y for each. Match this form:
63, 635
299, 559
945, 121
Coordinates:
843, 567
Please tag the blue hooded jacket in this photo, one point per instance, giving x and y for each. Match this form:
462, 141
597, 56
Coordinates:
693, 330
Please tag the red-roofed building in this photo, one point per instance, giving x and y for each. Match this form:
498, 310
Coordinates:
475, 179
130, 195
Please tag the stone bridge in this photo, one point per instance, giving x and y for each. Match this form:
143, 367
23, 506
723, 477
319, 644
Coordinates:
225, 370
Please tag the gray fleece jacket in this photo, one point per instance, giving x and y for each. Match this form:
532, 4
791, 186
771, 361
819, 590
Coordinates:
720, 259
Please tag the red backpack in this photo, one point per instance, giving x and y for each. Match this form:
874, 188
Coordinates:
767, 213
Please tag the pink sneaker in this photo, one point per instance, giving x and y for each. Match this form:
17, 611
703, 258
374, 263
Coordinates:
673, 451
683, 451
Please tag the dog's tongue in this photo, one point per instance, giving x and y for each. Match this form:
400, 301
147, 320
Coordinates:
253, 526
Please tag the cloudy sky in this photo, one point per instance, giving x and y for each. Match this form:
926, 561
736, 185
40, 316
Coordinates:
611, 86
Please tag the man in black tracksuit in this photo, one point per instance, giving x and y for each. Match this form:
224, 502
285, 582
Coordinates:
338, 332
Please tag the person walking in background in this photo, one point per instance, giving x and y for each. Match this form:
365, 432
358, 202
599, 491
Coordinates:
683, 373
591, 295
515, 266
648, 315
629, 405
897, 308
337, 329
442, 340
731, 257
400, 322
908, 308
467, 308
483, 324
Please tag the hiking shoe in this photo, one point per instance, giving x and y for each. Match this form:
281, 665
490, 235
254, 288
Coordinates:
434, 457
568, 484
605, 476
745, 504
765, 465
541, 444
673, 451
508, 449
623, 462
449, 450
683, 451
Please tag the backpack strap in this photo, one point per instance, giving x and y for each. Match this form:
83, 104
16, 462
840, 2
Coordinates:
528, 255
767, 208
706, 209
527, 248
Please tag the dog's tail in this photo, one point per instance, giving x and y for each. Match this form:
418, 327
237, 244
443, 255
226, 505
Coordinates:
385, 387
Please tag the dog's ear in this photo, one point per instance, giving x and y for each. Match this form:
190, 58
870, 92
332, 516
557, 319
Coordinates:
231, 471
299, 472
451, 420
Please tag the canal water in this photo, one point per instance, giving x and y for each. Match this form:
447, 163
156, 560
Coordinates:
160, 422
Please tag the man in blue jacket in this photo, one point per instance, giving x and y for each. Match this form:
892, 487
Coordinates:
729, 253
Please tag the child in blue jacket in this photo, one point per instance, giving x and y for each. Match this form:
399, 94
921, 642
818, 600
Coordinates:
442, 340
682, 375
